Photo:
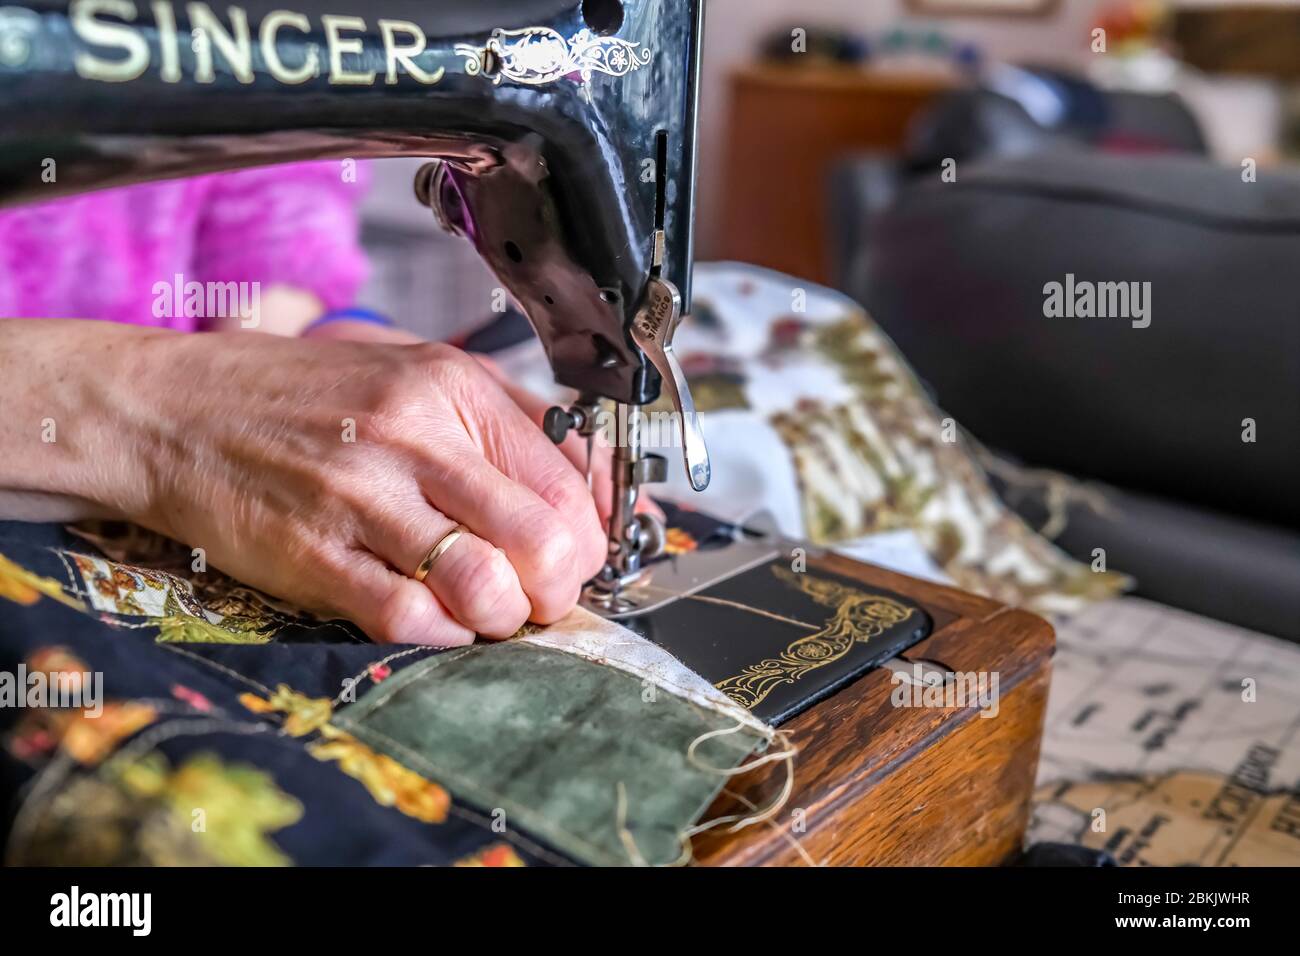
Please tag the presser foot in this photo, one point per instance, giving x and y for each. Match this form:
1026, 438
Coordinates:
641, 540
610, 603
672, 579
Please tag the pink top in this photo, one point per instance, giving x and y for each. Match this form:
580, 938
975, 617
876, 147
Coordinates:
122, 254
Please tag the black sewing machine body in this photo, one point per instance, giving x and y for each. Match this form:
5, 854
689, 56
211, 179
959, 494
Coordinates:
564, 132
567, 128
561, 134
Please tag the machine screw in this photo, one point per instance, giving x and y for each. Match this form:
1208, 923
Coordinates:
558, 422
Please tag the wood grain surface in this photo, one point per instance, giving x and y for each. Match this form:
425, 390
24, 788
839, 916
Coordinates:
788, 127
876, 784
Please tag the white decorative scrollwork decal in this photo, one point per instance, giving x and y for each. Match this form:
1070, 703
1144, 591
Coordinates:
18, 30
538, 55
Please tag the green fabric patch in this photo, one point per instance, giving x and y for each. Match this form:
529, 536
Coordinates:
548, 737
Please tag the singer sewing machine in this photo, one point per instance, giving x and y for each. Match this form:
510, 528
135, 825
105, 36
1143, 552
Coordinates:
561, 138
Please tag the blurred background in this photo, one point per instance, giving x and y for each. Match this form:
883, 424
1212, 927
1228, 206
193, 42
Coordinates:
941, 162
867, 69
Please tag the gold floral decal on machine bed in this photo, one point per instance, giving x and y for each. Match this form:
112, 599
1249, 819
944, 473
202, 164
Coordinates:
859, 616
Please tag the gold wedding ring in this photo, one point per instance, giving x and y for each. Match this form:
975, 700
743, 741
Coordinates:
438, 550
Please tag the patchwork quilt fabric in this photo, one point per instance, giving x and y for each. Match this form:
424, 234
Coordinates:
158, 715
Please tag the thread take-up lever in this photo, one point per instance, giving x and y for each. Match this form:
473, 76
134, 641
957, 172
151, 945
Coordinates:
652, 331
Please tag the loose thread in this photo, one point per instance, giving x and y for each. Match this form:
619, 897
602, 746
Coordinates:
798, 847
743, 768
723, 602
740, 821
1060, 490
620, 824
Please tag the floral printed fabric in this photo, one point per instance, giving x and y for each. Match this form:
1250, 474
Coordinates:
812, 415
870, 451
202, 722
211, 739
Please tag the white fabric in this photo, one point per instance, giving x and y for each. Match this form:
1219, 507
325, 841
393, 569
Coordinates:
606, 642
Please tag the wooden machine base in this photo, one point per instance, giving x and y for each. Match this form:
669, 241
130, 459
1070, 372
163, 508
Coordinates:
876, 784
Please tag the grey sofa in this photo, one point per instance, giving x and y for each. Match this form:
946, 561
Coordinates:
1153, 416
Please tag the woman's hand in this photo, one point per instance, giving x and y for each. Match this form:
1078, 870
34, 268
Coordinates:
322, 472
534, 406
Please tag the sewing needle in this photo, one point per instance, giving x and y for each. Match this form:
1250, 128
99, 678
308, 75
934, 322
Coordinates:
590, 436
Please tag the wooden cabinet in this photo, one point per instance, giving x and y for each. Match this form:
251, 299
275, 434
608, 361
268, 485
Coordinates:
880, 785
787, 127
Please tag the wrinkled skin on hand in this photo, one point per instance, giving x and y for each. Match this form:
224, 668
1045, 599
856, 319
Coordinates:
324, 471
